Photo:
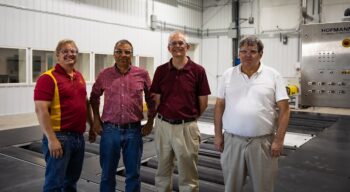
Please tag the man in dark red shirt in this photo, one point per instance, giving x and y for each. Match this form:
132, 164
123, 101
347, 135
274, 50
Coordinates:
60, 101
123, 86
181, 92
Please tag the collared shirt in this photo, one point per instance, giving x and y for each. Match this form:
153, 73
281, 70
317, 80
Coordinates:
68, 98
180, 89
250, 103
123, 94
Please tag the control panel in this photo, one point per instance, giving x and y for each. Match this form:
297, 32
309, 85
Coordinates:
325, 65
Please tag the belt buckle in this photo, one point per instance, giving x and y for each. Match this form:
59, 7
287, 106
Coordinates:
171, 121
124, 126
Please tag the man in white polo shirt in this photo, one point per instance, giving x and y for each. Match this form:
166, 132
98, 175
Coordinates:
248, 95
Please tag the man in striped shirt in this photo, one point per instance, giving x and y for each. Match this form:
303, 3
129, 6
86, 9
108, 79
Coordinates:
120, 128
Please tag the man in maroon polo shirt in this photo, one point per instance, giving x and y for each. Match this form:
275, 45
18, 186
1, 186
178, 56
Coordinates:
60, 100
181, 92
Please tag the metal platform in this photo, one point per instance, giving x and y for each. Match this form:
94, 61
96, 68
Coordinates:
321, 164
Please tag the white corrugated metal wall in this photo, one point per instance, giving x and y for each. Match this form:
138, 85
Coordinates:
271, 18
97, 25
94, 25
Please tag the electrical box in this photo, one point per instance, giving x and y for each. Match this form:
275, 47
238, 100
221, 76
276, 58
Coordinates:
325, 65
154, 21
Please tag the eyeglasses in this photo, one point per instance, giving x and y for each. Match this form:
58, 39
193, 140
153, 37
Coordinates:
67, 51
126, 52
179, 43
250, 52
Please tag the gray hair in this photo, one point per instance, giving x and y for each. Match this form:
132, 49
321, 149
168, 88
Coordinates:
177, 33
124, 41
251, 41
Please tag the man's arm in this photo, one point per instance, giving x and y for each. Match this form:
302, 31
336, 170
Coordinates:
97, 127
283, 119
42, 112
89, 118
218, 112
151, 113
96, 92
156, 100
203, 104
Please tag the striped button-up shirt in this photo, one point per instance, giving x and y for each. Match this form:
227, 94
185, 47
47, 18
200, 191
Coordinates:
123, 94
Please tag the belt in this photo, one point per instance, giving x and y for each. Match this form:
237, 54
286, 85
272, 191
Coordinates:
175, 122
247, 137
68, 133
125, 125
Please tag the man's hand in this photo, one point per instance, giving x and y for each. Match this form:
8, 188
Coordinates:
55, 148
92, 136
147, 128
276, 148
97, 127
283, 119
218, 112
219, 142
54, 145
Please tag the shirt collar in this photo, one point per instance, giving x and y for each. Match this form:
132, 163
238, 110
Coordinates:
257, 72
59, 69
187, 66
118, 71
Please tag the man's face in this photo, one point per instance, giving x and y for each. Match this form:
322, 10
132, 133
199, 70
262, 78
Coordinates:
123, 55
178, 46
249, 55
67, 56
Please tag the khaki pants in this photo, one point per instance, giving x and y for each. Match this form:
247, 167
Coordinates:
180, 142
242, 156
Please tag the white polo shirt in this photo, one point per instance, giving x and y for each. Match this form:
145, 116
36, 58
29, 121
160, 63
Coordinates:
250, 103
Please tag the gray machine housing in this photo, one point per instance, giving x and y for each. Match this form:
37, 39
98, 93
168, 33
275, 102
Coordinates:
325, 65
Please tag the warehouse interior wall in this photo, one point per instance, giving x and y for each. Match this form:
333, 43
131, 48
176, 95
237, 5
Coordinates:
33, 27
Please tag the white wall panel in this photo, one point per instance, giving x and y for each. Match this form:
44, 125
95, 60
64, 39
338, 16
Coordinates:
177, 14
43, 32
281, 57
125, 12
16, 99
210, 62
216, 58
217, 17
279, 14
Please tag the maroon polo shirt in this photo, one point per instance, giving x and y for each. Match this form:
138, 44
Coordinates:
67, 96
180, 89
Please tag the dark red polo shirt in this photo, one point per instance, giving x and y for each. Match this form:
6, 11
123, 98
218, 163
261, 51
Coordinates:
67, 96
180, 89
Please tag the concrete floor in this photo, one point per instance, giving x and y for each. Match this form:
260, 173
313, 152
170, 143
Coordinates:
318, 165
19, 120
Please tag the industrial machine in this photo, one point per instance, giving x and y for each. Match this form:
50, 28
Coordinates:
325, 66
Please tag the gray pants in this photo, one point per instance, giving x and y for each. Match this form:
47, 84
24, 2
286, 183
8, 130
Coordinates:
244, 156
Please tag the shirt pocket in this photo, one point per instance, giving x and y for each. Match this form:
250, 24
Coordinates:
136, 88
